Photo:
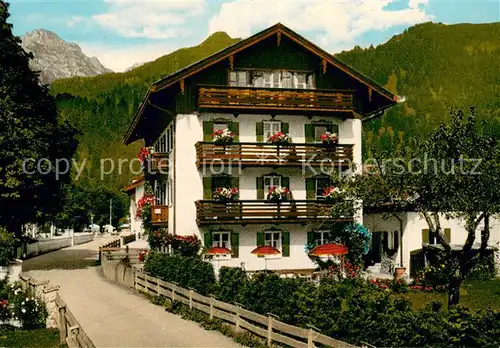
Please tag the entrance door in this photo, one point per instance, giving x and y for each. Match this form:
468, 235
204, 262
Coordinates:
375, 253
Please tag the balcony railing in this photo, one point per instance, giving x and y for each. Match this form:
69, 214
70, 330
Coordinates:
158, 163
275, 98
159, 214
264, 211
262, 154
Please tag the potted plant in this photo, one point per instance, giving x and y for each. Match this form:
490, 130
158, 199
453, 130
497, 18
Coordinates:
329, 138
331, 193
280, 138
144, 154
276, 194
223, 136
225, 194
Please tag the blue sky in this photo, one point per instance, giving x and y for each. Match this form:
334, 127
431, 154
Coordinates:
121, 33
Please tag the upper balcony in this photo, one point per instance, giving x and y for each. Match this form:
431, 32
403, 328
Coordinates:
264, 211
270, 155
274, 99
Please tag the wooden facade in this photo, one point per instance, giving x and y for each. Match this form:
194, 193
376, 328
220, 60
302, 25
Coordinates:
264, 211
269, 155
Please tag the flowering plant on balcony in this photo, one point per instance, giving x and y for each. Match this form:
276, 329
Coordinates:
225, 194
280, 138
329, 138
145, 153
276, 194
144, 204
223, 136
331, 193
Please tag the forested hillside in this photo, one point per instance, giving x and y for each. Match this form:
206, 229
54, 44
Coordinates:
435, 66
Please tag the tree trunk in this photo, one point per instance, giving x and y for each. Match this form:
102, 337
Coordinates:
454, 292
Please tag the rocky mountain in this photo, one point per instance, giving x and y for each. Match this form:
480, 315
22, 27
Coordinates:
56, 58
136, 65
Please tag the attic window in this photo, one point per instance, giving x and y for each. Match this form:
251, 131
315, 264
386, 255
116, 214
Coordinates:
272, 79
238, 78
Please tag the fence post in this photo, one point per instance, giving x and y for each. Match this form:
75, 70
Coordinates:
269, 330
237, 318
146, 283
62, 325
212, 302
310, 338
190, 298
173, 293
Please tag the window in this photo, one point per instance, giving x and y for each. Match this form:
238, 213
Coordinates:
219, 126
161, 190
273, 238
238, 78
220, 181
221, 240
320, 130
270, 181
321, 185
271, 127
321, 237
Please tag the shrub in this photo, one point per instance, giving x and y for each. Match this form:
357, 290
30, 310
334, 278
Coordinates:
28, 309
231, 285
188, 272
7, 242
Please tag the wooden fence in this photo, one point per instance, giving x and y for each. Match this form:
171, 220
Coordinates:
267, 327
113, 244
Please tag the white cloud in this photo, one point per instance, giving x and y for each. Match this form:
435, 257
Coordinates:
335, 23
119, 59
152, 19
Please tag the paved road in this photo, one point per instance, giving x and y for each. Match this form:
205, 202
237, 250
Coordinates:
111, 315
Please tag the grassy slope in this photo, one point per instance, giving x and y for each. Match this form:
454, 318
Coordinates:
436, 66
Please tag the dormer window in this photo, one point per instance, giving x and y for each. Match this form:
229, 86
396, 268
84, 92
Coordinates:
272, 79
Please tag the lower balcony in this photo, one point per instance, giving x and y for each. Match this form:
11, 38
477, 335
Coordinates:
264, 211
159, 214
263, 154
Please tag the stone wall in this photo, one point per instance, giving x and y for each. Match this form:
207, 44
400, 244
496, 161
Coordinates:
117, 271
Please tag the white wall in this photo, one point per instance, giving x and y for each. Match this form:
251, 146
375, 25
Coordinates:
135, 222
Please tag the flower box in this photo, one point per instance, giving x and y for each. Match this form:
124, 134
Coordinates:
276, 194
331, 193
329, 138
224, 194
223, 136
280, 138
144, 154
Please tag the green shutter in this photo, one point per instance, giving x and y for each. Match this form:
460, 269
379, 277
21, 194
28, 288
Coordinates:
425, 236
235, 182
208, 240
259, 131
235, 244
208, 130
260, 187
310, 188
207, 187
447, 234
260, 239
285, 127
285, 182
335, 129
285, 244
309, 133
235, 128
310, 237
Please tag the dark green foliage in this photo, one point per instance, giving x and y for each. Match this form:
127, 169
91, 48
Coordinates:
188, 272
47, 338
30, 130
7, 243
231, 285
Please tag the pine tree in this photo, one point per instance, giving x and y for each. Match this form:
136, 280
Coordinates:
30, 133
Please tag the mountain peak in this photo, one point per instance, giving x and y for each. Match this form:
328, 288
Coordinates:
219, 36
56, 58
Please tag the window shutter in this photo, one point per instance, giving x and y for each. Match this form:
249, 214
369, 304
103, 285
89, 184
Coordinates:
285, 182
447, 234
285, 242
396, 240
260, 187
309, 133
285, 127
259, 131
425, 236
208, 239
235, 245
207, 187
260, 239
235, 182
208, 130
335, 129
310, 237
310, 194
235, 128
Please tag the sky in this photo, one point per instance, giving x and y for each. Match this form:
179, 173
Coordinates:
121, 33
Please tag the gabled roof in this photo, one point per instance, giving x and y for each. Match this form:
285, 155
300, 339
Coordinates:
242, 45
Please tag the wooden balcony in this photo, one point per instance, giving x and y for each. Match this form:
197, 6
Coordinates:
159, 214
263, 154
247, 98
263, 211
158, 164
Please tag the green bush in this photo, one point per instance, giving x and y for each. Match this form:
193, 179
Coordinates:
29, 310
7, 242
231, 285
188, 272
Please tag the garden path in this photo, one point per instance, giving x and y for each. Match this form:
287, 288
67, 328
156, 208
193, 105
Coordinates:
111, 315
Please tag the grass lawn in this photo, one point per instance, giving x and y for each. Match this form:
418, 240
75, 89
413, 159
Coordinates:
474, 294
43, 338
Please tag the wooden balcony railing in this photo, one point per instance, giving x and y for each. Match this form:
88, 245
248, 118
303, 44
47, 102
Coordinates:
275, 98
159, 214
159, 163
264, 211
262, 154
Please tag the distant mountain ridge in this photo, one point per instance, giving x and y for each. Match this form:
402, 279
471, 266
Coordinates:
56, 58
